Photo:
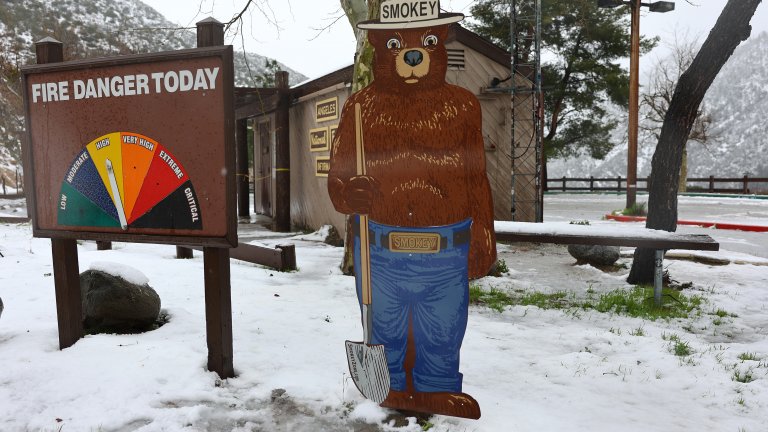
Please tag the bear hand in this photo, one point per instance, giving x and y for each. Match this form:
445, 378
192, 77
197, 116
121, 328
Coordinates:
360, 192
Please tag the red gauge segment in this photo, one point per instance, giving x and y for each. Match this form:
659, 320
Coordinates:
164, 176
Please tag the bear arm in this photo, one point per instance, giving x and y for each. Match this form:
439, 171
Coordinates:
483, 245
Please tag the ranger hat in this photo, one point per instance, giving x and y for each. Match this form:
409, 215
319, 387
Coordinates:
405, 14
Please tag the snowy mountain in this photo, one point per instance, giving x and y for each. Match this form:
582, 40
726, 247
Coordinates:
737, 101
90, 28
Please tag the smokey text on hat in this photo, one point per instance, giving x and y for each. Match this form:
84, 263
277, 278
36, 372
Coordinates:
409, 10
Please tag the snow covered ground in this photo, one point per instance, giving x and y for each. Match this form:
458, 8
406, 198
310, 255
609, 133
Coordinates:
531, 369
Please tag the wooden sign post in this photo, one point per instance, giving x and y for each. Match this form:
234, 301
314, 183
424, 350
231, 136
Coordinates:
135, 148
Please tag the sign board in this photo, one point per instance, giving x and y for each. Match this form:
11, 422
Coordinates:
333, 129
135, 148
319, 139
322, 166
327, 109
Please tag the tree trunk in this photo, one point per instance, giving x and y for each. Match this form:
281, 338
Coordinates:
356, 11
731, 28
682, 185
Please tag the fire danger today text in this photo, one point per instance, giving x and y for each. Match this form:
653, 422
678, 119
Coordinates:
126, 85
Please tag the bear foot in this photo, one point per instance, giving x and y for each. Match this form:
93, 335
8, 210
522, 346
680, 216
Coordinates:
444, 403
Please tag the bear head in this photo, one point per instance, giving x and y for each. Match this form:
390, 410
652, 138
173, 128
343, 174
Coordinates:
409, 59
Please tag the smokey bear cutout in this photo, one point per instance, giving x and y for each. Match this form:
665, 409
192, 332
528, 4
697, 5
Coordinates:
422, 187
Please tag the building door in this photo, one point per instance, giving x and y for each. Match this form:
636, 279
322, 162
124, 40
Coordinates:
264, 178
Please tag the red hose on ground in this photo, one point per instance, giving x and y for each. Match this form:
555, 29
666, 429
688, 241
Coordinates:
716, 225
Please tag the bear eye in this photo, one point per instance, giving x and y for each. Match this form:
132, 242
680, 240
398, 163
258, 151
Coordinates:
393, 43
430, 40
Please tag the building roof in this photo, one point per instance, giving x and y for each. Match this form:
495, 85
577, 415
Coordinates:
254, 101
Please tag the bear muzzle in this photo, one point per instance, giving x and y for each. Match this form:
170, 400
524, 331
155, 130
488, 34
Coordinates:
412, 64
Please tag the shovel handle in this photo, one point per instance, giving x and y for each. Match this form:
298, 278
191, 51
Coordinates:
365, 250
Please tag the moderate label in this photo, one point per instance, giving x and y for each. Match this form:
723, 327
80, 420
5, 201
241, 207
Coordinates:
414, 242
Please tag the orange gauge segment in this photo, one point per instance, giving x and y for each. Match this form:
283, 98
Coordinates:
137, 158
164, 176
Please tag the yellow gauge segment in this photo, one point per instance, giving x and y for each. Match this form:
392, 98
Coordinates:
108, 147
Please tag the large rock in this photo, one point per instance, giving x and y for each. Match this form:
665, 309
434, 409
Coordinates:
594, 254
113, 305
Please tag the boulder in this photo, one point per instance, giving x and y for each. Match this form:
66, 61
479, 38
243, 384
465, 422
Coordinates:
113, 305
594, 254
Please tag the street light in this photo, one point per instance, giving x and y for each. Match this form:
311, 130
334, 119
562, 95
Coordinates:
634, 82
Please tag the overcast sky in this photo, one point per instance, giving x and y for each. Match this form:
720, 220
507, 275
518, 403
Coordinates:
300, 44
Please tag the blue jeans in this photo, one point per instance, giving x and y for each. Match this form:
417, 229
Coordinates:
432, 289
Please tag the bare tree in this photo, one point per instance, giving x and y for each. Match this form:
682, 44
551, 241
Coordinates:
731, 28
665, 74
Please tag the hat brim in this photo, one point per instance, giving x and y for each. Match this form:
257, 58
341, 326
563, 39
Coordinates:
442, 19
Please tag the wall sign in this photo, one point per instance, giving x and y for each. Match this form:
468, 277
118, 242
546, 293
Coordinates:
333, 129
319, 139
322, 166
327, 110
134, 148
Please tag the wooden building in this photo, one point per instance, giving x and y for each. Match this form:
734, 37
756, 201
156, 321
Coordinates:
289, 174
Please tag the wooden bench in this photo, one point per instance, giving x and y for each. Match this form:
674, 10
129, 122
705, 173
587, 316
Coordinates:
607, 235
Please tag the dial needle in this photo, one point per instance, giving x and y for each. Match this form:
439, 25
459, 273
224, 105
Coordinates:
116, 195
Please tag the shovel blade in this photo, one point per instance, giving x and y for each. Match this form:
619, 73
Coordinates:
368, 367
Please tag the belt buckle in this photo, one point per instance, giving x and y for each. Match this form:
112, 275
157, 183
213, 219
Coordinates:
410, 242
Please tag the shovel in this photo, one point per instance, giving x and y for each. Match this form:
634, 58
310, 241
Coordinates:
367, 363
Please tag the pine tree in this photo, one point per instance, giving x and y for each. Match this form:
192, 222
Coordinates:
582, 77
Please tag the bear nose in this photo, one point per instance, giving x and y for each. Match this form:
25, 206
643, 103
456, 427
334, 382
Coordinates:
413, 58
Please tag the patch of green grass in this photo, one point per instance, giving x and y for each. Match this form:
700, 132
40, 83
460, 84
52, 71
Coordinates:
682, 349
497, 299
499, 268
494, 299
744, 377
545, 301
638, 332
638, 303
637, 209
748, 357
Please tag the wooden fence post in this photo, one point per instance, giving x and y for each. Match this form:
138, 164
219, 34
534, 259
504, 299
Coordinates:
218, 290
563, 183
618, 184
591, 183
711, 184
243, 189
745, 188
66, 269
282, 212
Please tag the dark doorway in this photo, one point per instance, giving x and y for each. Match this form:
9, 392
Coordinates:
263, 181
